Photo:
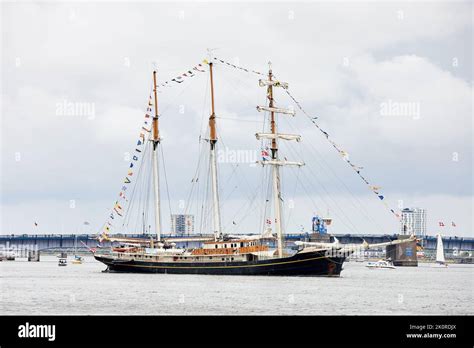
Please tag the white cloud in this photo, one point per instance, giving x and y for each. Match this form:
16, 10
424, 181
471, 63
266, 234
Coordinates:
80, 53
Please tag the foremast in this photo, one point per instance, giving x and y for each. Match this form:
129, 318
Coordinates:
213, 160
274, 136
156, 173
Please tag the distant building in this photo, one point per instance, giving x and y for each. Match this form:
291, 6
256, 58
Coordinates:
182, 224
413, 220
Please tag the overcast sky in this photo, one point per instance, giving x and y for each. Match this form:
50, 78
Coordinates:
351, 64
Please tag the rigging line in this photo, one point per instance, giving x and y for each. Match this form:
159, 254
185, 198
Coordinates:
242, 175
126, 201
231, 175
262, 122
250, 202
205, 198
245, 213
316, 125
147, 193
336, 147
235, 167
267, 207
290, 210
237, 119
144, 188
334, 202
313, 202
168, 84
238, 67
136, 192
265, 172
146, 208
237, 86
131, 200
166, 179
322, 186
170, 103
195, 179
324, 165
196, 187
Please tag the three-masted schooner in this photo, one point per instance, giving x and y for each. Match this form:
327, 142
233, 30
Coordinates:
224, 254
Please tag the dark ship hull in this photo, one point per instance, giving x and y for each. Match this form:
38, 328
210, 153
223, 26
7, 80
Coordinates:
300, 264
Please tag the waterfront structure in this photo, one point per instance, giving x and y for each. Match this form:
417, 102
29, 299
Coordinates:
413, 221
182, 224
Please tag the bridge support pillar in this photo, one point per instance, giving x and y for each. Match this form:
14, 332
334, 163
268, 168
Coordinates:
34, 256
402, 254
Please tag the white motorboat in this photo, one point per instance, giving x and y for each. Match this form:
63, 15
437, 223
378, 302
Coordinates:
382, 264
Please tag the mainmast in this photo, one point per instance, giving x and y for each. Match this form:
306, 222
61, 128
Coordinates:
156, 181
213, 142
275, 162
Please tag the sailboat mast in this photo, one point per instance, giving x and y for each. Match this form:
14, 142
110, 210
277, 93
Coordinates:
275, 168
213, 142
274, 161
154, 154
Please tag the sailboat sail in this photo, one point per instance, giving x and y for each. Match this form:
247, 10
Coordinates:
440, 251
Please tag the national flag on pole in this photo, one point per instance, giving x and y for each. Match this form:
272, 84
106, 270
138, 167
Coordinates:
441, 224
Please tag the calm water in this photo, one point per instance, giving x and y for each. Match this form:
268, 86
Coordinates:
44, 288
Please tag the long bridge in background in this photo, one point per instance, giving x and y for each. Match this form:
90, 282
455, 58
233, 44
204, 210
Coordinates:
54, 242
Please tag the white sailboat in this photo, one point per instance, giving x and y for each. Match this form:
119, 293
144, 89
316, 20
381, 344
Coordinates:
78, 260
440, 260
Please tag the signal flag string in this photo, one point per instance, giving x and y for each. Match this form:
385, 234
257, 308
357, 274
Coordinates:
357, 169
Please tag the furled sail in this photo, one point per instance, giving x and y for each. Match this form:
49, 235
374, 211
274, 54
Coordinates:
277, 110
278, 135
274, 83
281, 163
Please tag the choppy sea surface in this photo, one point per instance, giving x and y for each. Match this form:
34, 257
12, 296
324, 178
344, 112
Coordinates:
37, 288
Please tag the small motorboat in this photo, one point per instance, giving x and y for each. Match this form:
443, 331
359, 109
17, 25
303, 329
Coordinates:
78, 260
382, 264
62, 259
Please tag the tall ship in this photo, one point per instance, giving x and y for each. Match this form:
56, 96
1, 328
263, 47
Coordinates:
261, 253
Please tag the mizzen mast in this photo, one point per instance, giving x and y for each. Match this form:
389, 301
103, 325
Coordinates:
275, 162
156, 180
213, 160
